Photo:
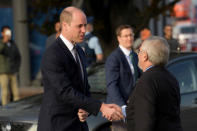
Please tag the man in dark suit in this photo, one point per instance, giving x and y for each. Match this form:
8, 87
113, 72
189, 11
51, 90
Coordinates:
173, 43
66, 89
155, 102
121, 71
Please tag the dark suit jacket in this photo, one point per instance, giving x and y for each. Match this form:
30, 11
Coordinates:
119, 77
155, 102
64, 91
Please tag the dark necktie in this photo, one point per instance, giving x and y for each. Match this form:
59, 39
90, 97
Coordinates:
134, 65
78, 62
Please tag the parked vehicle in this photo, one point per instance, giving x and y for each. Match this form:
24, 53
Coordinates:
23, 115
186, 34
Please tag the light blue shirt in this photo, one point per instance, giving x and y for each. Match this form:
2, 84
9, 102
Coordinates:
148, 68
127, 52
93, 43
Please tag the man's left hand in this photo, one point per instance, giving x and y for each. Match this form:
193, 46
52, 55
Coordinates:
83, 115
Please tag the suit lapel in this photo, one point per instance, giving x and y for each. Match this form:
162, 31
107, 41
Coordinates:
66, 50
69, 54
123, 58
83, 64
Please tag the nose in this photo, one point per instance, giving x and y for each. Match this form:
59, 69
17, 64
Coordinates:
83, 29
130, 37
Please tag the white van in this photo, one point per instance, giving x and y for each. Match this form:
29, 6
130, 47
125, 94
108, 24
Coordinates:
184, 33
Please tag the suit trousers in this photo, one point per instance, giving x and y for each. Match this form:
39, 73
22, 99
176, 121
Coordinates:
118, 126
5, 94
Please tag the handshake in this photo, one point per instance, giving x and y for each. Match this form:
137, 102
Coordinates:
112, 112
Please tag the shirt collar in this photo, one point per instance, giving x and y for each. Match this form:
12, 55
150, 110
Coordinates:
125, 51
87, 33
148, 68
67, 42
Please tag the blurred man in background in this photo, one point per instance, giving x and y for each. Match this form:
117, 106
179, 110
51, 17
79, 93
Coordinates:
173, 43
145, 33
122, 72
9, 66
53, 37
91, 45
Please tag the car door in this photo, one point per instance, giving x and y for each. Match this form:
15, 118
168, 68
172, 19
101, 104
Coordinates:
185, 71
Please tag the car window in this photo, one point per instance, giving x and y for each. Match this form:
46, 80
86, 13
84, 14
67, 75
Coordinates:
185, 72
188, 30
96, 79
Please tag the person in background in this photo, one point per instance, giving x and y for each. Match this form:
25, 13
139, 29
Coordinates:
145, 33
66, 100
91, 45
122, 71
51, 39
9, 66
173, 43
154, 105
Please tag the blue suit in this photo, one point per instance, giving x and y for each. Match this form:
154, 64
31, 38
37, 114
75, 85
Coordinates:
119, 78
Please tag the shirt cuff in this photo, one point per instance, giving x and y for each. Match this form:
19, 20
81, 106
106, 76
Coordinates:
124, 110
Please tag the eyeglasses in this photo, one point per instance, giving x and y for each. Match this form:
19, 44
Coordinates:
129, 35
138, 51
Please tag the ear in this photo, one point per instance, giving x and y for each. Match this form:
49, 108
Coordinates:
118, 38
64, 25
145, 56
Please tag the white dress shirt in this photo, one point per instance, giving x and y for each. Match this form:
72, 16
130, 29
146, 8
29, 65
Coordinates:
70, 46
127, 53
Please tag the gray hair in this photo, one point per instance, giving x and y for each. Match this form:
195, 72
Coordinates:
157, 49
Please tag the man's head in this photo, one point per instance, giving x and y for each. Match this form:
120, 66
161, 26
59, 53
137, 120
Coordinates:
6, 33
89, 27
153, 51
145, 33
168, 31
125, 36
57, 26
73, 24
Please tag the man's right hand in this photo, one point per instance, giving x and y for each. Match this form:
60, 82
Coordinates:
112, 112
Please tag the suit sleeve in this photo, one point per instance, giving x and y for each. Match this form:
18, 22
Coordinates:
55, 76
112, 68
144, 106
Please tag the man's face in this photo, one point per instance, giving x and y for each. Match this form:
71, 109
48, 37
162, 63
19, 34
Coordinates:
6, 34
126, 38
142, 58
57, 26
168, 30
145, 33
89, 27
77, 28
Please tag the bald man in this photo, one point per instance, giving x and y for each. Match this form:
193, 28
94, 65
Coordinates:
66, 89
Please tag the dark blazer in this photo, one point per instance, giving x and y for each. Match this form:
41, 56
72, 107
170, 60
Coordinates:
119, 77
64, 91
155, 102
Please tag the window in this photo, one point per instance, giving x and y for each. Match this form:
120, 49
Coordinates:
96, 79
185, 72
